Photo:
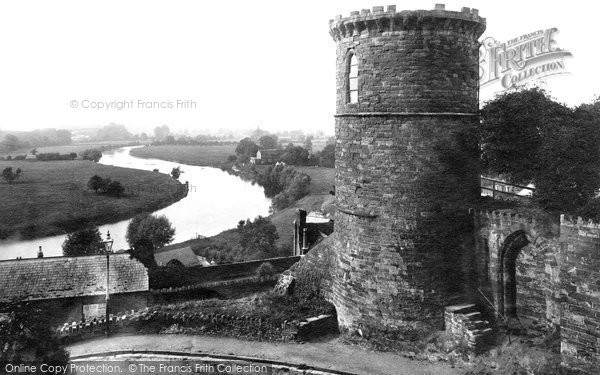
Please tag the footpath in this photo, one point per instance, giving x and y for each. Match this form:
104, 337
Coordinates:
327, 354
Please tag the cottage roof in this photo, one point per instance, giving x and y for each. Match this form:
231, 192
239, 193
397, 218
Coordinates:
183, 254
63, 277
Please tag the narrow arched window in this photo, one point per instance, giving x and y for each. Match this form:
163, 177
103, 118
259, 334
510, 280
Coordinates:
353, 79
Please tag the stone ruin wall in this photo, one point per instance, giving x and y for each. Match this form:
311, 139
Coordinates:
557, 275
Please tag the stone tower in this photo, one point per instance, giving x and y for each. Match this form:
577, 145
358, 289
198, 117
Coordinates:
406, 163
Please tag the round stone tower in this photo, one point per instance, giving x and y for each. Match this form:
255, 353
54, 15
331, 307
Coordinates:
406, 163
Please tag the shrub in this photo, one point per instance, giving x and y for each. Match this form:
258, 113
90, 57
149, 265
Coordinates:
20, 157
115, 189
50, 156
266, 269
92, 154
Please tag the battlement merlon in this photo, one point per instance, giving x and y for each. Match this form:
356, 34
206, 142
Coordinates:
579, 222
381, 21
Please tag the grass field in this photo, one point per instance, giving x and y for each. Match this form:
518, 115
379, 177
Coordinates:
66, 149
52, 197
209, 156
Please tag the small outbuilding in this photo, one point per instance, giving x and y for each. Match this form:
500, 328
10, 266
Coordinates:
74, 288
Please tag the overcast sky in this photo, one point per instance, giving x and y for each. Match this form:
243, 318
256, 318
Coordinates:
244, 63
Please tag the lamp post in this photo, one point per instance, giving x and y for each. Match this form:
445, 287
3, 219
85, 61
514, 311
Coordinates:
108, 250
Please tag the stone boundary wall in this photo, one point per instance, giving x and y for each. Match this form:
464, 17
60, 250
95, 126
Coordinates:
199, 323
216, 284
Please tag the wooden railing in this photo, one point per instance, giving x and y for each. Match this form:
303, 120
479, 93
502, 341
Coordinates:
501, 189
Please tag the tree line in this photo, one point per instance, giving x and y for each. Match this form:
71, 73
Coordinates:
290, 154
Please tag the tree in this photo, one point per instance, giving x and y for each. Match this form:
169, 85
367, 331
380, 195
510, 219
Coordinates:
514, 126
258, 237
528, 137
246, 149
569, 175
95, 183
34, 151
11, 142
115, 189
327, 156
146, 233
28, 337
161, 132
92, 154
113, 132
267, 142
308, 142
295, 155
86, 241
73, 155
10, 176
176, 172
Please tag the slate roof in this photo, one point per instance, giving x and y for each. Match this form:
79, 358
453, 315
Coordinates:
183, 254
63, 277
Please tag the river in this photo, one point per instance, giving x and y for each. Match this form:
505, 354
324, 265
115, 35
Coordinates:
216, 201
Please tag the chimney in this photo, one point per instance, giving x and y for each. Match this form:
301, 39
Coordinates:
40, 253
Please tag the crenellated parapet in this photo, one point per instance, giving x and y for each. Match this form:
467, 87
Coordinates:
504, 218
579, 222
381, 21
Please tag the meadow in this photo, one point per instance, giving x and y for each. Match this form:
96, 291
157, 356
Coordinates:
66, 149
52, 197
206, 156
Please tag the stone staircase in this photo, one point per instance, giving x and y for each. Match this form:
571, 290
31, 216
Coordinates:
466, 324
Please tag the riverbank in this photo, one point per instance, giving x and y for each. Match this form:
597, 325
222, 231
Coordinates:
52, 197
203, 156
319, 197
322, 181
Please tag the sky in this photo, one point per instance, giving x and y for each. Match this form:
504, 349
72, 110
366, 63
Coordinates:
236, 64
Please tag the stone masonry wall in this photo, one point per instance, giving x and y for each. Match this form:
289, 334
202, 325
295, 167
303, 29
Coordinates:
531, 239
580, 287
406, 164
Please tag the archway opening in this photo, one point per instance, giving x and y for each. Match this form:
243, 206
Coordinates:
508, 278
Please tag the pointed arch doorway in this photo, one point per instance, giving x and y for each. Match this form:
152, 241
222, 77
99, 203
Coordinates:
507, 275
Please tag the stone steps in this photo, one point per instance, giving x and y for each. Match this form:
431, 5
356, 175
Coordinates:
465, 323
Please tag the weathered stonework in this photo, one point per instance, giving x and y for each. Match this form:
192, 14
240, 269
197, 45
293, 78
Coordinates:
406, 248
580, 288
555, 272
406, 163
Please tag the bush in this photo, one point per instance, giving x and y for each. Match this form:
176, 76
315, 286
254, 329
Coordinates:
282, 178
92, 154
52, 156
106, 186
20, 157
266, 269
115, 189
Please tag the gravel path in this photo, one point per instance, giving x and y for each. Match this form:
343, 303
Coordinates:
328, 354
